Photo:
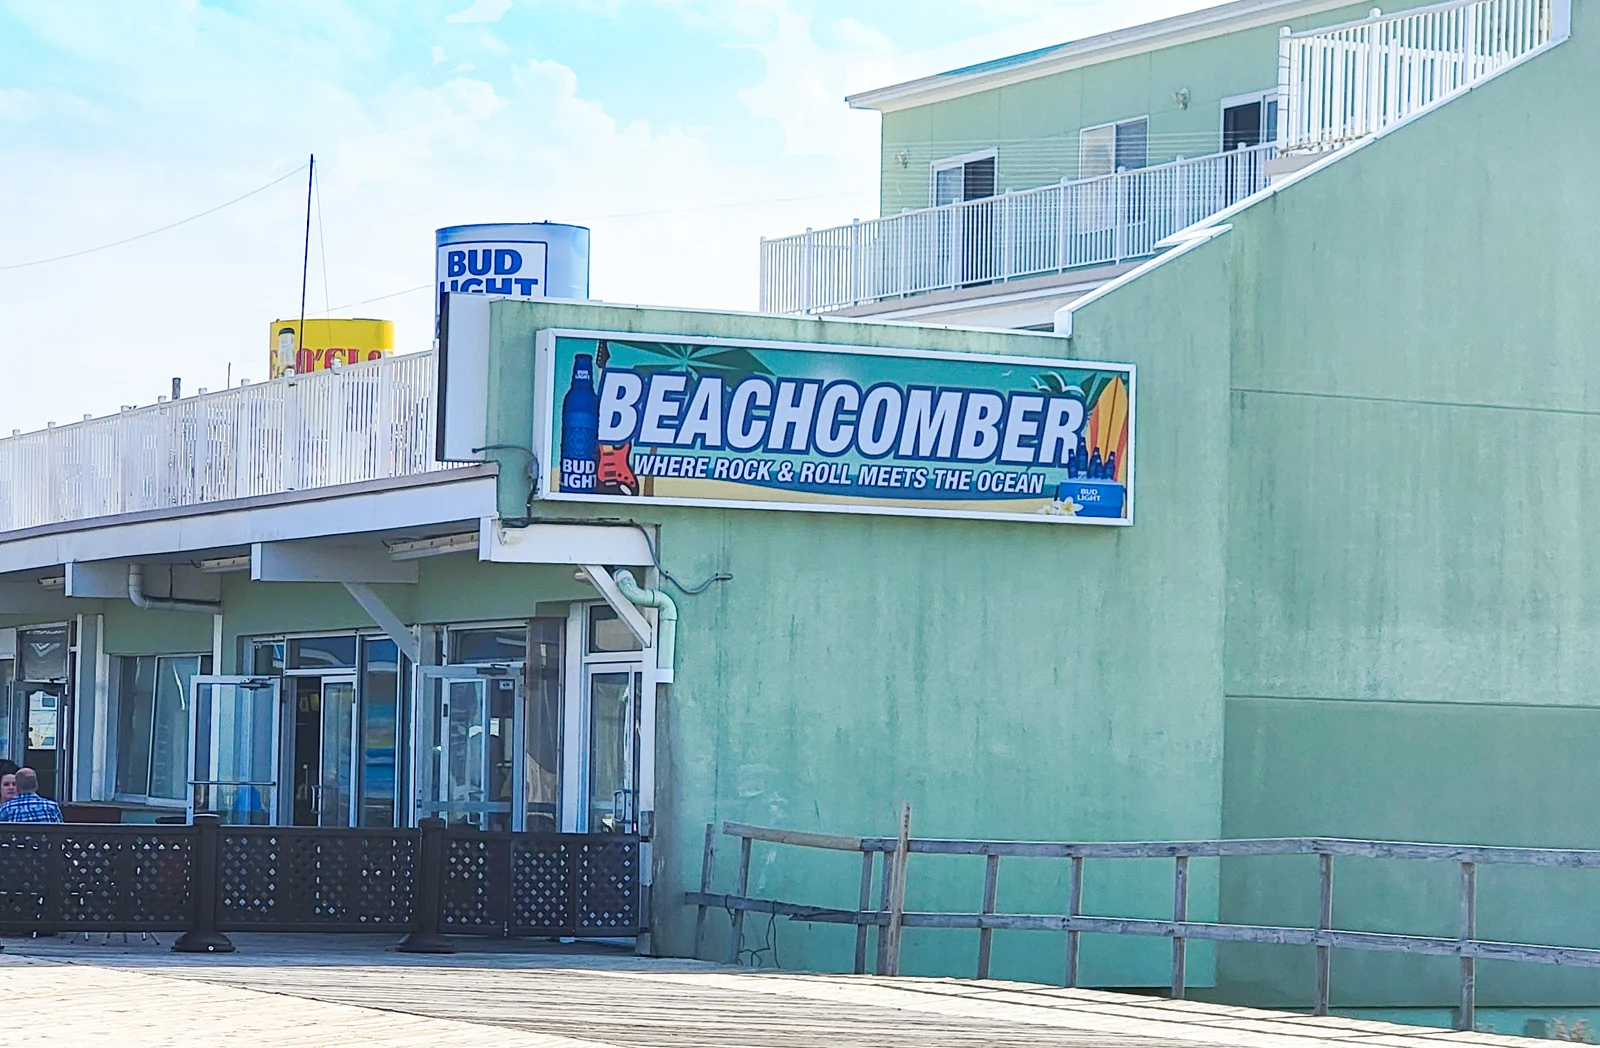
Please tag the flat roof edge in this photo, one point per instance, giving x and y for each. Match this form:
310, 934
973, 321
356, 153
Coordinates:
1149, 36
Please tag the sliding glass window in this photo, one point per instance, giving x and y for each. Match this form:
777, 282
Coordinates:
151, 714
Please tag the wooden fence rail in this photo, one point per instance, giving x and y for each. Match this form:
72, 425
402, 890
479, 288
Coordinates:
890, 916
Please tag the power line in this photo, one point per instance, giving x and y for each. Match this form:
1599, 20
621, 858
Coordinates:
153, 232
380, 298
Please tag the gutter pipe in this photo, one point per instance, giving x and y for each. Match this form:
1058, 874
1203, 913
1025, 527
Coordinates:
667, 619
136, 594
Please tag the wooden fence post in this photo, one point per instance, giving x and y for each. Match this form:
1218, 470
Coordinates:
1324, 923
203, 936
705, 886
1074, 908
1180, 913
1466, 1019
736, 934
890, 957
866, 900
991, 878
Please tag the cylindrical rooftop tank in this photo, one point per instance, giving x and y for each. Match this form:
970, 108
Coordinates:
517, 259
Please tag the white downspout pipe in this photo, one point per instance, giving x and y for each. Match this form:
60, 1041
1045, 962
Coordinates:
667, 620
136, 594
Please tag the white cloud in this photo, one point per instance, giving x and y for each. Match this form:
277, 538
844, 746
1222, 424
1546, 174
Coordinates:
482, 11
439, 57
17, 104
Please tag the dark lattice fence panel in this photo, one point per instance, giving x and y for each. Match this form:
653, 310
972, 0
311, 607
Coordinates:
314, 879
541, 886
475, 894
575, 884
141, 878
606, 886
102, 878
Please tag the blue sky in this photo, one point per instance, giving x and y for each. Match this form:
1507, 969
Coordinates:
681, 131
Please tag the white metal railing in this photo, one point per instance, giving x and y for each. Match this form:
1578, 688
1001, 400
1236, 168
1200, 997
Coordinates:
361, 422
1089, 221
1344, 82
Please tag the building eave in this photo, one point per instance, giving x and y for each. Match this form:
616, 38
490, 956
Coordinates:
1120, 43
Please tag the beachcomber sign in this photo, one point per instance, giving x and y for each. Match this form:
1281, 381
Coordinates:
780, 425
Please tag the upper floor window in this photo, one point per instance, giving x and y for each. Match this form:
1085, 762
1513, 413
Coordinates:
1249, 120
970, 176
1122, 146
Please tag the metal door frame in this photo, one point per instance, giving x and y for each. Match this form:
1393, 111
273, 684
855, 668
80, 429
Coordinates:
251, 682
421, 692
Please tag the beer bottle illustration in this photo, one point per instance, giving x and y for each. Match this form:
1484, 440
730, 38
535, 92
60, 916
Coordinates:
580, 428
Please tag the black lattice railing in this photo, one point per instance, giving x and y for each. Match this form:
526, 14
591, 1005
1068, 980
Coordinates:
555, 884
99, 878
205, 879
302, 879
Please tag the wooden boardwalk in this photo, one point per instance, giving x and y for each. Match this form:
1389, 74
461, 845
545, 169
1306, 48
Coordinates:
330, 992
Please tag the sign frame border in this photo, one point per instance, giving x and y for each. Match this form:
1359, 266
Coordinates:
544, 415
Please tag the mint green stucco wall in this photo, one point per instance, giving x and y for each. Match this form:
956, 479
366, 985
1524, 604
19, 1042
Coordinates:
1034, 124
1413, 617
1008, 679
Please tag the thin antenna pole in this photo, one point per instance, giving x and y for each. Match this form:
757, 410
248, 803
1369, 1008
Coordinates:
305, 262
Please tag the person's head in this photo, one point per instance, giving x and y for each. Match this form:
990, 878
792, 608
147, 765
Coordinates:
8, 786
8, 766
27, 780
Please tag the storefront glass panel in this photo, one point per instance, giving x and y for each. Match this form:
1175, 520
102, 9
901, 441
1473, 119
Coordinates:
380, 741
608, 633
43, 653
234, 739
152, 726
335, 792
542, 759
10, 722
492, 644
322, 653
612, 733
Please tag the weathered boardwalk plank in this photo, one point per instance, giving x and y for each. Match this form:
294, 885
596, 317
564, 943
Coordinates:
346, 991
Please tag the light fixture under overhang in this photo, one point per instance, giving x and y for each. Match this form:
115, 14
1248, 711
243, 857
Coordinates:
218, 565
54, 582
416, 549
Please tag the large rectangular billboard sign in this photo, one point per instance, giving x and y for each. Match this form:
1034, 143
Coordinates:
846, 429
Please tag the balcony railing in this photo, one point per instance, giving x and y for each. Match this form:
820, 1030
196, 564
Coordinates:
362, 422
1090, 221
1345, 82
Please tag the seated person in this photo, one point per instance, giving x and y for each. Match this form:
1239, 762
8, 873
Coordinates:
27, 805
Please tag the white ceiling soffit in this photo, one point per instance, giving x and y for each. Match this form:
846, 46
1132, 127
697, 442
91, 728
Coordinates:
578, 544
324, 560
1168, 32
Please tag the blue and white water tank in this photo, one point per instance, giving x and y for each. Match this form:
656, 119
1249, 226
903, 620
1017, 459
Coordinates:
514, 259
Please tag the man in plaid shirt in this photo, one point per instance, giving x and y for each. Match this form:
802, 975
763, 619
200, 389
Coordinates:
27, 805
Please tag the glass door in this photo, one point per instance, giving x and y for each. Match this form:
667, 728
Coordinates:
468, 765
335, 792
233, 737
42, 707
612, 764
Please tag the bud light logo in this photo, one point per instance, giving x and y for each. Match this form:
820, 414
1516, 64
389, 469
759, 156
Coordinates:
516, 269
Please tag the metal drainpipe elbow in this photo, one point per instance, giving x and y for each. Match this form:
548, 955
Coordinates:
144, 603
666, 620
